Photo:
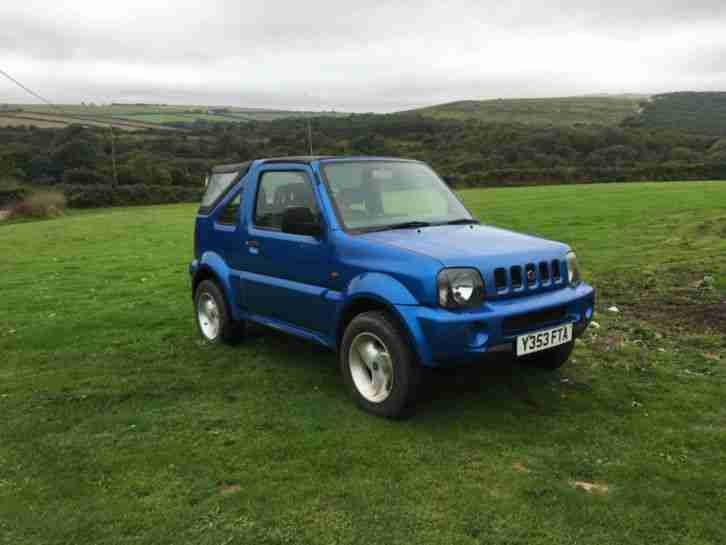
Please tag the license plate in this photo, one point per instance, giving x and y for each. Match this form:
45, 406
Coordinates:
542, 340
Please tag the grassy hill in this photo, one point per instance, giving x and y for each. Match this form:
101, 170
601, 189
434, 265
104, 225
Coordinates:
602, 110
119, 426
696, 112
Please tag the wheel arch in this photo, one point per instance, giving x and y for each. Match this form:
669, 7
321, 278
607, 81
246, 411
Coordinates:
205, 272
212, 267
371, 303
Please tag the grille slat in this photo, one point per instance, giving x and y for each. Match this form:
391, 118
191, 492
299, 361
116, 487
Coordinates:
500, 279
516, 275
544, 273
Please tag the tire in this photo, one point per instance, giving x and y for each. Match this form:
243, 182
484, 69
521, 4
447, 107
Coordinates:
551, 359
378, 366
214, 321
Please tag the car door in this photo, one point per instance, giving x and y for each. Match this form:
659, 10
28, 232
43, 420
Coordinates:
286, 275
226, 225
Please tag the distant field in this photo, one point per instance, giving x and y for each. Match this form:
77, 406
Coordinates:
11, 120
120, 426
133, 116
167, 118
59, 120
609, 110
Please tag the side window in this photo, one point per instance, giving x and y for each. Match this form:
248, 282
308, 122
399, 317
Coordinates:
217, 185
230, 214
278, 191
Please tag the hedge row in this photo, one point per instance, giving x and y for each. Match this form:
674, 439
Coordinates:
94, 196
563, 175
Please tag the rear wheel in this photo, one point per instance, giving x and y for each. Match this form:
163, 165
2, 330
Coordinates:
214, 320
378, 366
551, 359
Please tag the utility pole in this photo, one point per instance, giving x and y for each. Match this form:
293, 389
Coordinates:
310, 128
113, 156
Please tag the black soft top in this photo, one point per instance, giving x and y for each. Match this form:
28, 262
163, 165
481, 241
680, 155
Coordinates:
242, 168
297, 159
234, 167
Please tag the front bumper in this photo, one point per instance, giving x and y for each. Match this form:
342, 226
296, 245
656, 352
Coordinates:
443, 338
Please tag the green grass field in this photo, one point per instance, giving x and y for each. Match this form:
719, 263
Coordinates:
603, 110
120, 426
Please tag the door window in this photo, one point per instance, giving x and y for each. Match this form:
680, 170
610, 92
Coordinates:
279, 191
230, 214
217, 185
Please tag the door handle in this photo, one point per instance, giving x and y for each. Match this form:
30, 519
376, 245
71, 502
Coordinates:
252, 244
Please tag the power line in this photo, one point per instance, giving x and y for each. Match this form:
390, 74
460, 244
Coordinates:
28, 89
49, 103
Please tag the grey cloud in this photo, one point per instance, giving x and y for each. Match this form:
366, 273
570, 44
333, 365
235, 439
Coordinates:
379, 56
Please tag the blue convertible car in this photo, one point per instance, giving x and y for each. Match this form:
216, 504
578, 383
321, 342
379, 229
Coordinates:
378, 260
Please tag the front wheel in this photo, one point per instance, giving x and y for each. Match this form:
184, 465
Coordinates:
551, 359
378, 365
214, 321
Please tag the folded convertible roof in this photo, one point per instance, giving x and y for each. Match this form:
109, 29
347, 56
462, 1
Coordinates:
234, 167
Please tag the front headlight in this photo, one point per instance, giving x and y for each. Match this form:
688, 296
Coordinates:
460, 288
573, 270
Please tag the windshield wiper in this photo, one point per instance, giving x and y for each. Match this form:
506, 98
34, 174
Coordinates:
402, 225
462, 221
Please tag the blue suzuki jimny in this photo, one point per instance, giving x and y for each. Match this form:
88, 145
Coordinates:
378, 260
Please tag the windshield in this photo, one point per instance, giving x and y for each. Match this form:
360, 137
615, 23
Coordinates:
371, 195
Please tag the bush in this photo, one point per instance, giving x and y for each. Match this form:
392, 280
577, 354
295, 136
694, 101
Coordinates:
11, 192
95, 196
43, 204
83, 176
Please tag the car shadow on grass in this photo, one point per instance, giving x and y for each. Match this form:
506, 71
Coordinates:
498, 383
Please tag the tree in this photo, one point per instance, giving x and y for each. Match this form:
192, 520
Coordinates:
7, 165
161, 175
84, 176
77, 153
613, 156
717, 152
685, 154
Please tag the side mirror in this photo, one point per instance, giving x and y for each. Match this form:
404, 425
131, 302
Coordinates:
299, 220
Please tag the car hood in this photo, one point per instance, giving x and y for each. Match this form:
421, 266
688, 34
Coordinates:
479, 246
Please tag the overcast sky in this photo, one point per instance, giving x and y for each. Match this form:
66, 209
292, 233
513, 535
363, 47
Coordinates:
357, 56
